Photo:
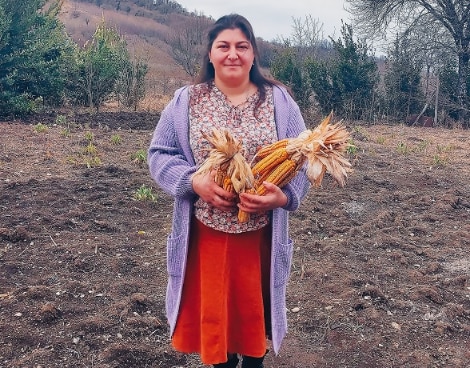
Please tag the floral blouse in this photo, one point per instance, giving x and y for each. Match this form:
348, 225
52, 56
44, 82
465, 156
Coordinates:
209, 108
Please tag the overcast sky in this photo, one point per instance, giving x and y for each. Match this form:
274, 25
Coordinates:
271, 19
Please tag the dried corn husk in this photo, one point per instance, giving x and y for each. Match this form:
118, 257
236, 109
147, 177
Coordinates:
321, 150
226, 156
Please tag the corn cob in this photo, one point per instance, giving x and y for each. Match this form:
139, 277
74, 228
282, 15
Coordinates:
227, 184
321, 148
278, 176
221, 174
289, 177
270, 161
242, 215
266, 150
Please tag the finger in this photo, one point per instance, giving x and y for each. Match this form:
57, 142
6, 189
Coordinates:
251, 203
225, 206
245, 208
221, 192
270, 187
248, 196
212, 174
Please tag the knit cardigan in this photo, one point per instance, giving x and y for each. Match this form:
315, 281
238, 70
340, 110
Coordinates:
171, 164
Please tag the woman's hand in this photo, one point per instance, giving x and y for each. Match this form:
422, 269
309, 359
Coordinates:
206, 188
253, 203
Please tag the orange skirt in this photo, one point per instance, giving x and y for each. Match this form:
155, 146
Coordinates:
225, 301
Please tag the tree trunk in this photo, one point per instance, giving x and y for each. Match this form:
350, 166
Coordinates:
436, 103
464, 57
420, 114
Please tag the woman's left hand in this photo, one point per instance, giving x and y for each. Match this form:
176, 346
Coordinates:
253, 203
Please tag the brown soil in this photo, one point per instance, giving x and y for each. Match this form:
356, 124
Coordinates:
380, 276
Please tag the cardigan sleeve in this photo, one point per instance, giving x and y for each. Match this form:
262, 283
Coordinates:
290, 123
170, 162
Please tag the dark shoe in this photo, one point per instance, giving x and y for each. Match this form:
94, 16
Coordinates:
232, 362
251, 362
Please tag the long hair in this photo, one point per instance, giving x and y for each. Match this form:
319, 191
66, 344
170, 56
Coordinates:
235, 21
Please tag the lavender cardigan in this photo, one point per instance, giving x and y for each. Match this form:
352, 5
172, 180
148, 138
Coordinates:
171, 165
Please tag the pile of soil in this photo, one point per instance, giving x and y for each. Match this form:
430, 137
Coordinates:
381, 269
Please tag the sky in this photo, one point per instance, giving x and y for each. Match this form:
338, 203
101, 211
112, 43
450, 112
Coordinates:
273, 19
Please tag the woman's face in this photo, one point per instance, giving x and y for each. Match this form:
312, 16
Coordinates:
232, 56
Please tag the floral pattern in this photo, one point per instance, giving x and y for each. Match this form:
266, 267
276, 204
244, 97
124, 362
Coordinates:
209, 108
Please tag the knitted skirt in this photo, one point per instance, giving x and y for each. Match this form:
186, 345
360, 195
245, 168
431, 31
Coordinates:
225, 301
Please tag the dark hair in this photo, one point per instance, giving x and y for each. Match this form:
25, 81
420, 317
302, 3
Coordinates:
234, 21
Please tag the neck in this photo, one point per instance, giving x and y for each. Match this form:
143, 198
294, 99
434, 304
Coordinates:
236, 94
233, 89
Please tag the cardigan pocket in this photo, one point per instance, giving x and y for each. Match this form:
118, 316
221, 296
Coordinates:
175, 255
282, 262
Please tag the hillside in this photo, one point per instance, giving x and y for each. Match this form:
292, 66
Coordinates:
146, 26
144, 29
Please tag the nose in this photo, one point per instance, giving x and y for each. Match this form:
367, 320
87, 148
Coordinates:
233, 54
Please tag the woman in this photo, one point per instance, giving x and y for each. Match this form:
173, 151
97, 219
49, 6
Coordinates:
227, 279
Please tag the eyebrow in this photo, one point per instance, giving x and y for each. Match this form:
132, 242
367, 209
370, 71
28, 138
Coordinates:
238, 42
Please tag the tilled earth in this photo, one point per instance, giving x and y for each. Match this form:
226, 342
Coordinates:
381, 270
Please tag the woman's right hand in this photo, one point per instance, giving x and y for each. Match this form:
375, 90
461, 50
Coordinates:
206, 188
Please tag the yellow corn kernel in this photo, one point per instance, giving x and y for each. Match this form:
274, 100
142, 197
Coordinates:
278, 175
268, 149
269, 162
227, 184
243, 216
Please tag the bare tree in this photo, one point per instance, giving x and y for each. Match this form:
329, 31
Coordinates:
306, 37
307, 34
425, 46
187, 41
449, 20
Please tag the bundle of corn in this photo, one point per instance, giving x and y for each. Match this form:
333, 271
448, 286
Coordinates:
233, 171
321, 149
